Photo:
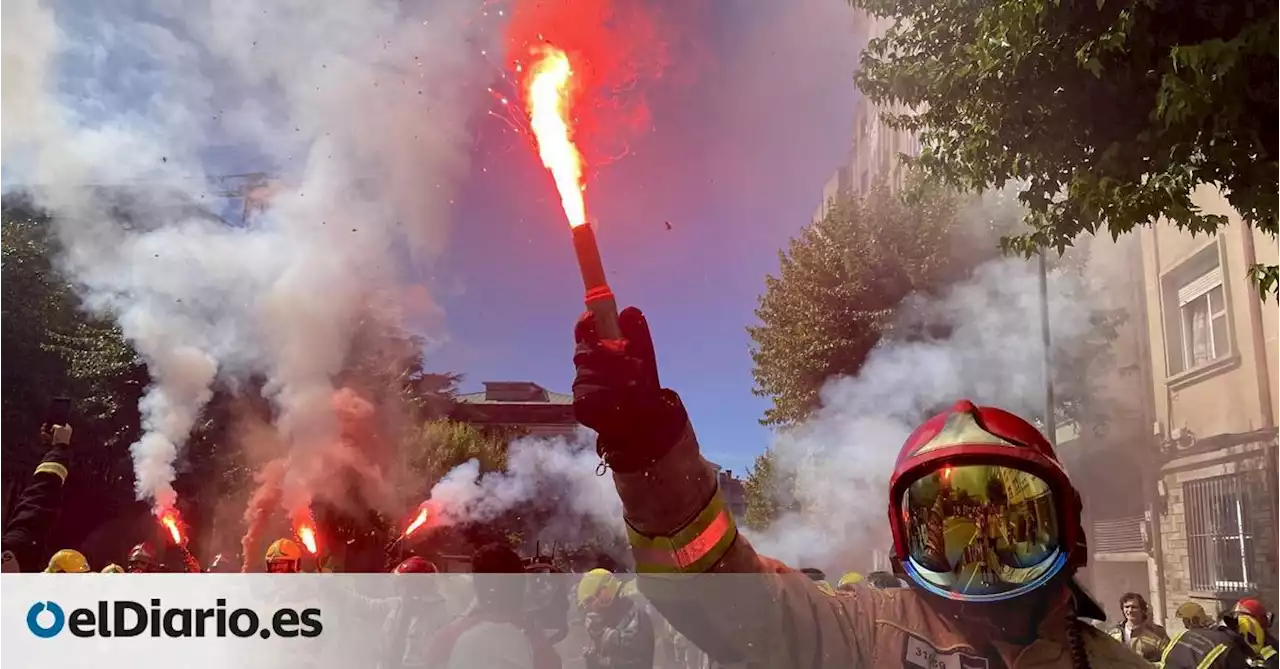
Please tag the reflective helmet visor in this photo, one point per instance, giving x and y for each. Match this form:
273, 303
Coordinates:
981, 532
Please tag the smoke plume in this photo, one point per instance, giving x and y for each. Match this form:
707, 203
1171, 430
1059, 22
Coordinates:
842, 457
554, 478
118, 115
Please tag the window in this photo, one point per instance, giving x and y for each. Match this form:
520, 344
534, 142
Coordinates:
1220, 537
1198, 324
1202, 310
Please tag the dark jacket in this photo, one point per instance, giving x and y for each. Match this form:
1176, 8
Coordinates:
1190, 648
34, 515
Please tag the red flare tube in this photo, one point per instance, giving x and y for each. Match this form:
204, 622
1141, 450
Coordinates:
599, 297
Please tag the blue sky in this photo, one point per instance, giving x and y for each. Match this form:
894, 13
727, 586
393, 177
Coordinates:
735, 161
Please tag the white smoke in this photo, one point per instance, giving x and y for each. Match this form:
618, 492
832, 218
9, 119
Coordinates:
842, 457
359, 108
557, 475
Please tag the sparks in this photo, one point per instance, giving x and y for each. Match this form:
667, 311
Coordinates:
548, 103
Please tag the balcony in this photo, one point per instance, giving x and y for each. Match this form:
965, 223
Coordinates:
1120, 539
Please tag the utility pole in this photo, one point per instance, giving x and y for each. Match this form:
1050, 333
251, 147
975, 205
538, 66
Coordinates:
1050, 422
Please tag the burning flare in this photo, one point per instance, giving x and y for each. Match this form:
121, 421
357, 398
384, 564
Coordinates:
305, 527
307, 534
418, 521
547, 95
173, 524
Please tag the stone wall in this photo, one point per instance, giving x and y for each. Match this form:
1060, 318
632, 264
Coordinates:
1249, 459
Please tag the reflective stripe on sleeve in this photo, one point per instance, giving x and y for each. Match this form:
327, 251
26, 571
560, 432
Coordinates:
53, 468
696, 548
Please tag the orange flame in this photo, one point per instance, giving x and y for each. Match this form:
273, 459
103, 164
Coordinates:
305, 527
548, 91
169, 518
418, 520
308, 536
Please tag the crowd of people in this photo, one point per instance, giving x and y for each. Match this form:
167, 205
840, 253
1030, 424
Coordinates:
987, 541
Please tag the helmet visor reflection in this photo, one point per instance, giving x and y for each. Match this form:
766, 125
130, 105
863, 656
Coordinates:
981, 532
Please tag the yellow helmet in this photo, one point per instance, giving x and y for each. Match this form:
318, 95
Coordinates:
67, 561
1250, 628
849, 580
597, 589
284, 555
113, 568
1193, 615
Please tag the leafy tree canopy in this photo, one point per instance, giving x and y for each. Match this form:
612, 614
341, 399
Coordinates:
1113, 112
841, 280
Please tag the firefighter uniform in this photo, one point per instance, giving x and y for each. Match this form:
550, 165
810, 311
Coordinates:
1206, 648
737, 606
679, 524
38, 506
1147, 639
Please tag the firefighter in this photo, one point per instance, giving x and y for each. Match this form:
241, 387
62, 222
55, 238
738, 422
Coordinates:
142, 559
113, 568
1193, 616
819, 579
1024, 613
1137, 631
1254, 608
848, 581
284, 556
1251, 620
1206, 648
621, 630
67, 561
38, 506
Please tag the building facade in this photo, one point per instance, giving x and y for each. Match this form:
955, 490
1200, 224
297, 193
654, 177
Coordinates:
1110, 462
1214, 360
518, 405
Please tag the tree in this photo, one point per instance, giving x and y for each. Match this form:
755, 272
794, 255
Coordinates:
1111, 112
438, 446
768, 492
54, 348
841, 280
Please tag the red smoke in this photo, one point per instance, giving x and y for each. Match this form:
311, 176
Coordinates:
617, 48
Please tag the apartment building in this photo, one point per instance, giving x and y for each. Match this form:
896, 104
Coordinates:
1213, 384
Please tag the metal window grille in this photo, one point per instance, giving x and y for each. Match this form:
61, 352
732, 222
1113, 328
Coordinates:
1220, 536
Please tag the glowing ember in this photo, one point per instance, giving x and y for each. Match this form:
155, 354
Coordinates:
418, 520
548, 102
171, 523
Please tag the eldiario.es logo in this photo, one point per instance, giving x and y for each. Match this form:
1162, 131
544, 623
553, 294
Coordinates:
124, 618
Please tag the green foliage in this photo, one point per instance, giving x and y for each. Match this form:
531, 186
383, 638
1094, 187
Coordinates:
1112, 112
54, 347
436, 447
841, 280
768, 492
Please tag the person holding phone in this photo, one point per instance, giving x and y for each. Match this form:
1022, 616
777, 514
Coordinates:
25, 534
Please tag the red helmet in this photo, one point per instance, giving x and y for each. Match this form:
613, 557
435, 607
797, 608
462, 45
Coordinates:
415, 565
1254, 607
969, 434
